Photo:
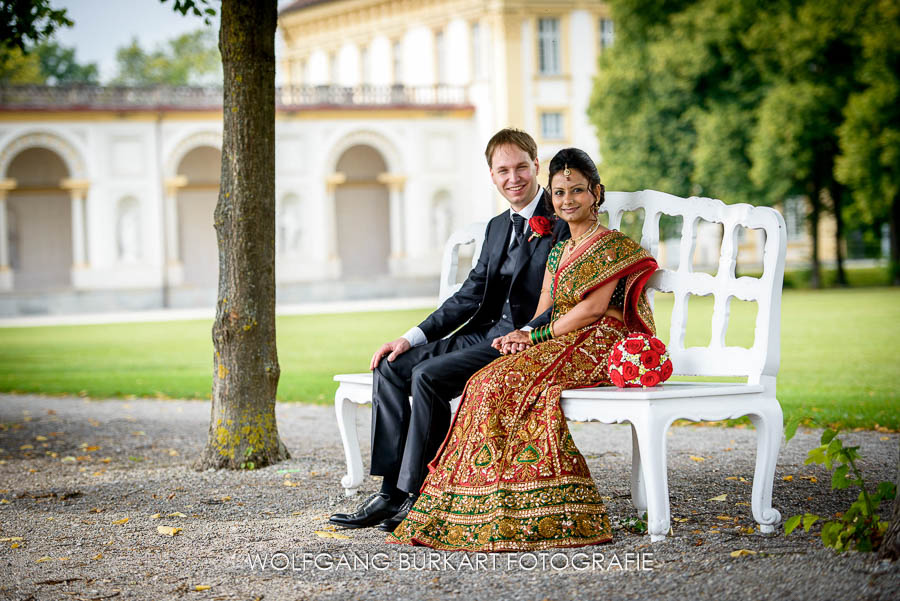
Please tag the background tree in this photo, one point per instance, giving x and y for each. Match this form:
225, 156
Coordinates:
24, 23
189, 59
736, 99
59, 65
242, 431
869, 163
16, 67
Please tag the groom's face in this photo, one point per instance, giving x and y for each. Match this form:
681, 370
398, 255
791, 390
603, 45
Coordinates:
515, 175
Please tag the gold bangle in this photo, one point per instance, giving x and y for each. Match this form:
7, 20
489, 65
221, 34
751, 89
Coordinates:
550, 329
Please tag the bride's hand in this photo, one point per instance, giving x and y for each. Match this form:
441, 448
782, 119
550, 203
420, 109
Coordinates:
514, 342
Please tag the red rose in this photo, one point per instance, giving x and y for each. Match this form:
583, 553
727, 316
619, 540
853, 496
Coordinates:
649, 359
666, 370
629, 370
650, 379
657, 345
540, 225
615, 358
634, 345
616, 378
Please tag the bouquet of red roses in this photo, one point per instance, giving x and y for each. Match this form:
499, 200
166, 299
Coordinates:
639, 360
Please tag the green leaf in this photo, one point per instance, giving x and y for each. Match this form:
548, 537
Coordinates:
808, 520
828, 435
817, 455
791, 428
887, 490
839, 478
791, 524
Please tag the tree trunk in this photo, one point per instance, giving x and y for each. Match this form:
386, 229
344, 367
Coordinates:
242, 429
836, 193
815, 210
890, 544
895, 241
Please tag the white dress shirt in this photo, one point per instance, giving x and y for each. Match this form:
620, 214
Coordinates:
415, 336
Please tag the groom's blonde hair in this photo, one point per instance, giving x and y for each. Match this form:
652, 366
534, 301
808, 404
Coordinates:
513, 136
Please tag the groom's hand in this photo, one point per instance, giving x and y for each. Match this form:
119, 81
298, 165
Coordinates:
391, 349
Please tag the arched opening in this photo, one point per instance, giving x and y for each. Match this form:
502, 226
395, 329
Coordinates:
39, 221
196, 203
362, 209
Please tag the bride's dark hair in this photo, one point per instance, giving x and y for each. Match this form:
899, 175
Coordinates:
575, 158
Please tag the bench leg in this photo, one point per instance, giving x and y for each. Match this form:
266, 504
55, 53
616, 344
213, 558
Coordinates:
346, 419
638, 490
651, 435
768, 422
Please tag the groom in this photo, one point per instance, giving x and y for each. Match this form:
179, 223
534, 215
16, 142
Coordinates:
499, 295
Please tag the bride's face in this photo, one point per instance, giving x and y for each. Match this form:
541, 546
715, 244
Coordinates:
572, 199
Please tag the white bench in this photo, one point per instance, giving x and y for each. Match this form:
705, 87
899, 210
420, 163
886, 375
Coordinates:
651, 411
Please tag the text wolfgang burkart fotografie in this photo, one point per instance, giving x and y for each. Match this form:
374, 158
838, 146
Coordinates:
299, 561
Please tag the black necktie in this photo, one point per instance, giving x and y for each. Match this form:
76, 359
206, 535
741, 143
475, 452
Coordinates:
519, 228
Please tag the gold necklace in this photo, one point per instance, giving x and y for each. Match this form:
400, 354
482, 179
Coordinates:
576, 242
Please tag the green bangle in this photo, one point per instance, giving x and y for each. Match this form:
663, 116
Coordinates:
531, 337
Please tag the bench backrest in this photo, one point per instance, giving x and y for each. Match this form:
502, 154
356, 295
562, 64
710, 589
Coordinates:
716, 359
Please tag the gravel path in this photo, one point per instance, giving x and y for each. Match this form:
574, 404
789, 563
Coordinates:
72, 471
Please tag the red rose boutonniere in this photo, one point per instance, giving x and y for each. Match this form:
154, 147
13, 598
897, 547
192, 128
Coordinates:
540, 226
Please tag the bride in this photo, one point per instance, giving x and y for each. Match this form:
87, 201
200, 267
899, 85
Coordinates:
508, 477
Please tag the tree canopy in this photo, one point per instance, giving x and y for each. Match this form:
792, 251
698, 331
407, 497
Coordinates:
751, 101
189, 59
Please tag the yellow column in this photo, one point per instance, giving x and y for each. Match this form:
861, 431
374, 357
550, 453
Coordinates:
172, 184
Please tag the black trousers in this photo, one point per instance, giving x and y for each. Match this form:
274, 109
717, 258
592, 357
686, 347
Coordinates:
406, 437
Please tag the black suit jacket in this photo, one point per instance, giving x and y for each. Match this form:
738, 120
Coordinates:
475, 305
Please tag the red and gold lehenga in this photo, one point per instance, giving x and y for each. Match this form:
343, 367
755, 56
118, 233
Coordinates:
508, 476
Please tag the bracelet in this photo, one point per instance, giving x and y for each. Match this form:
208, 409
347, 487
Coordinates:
531, 336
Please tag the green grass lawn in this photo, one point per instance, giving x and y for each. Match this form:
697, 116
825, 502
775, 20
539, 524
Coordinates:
837, 362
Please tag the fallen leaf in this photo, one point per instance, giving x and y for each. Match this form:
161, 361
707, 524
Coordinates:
226, 498
92, 448
728, 449
63, 558
742, 553
15, 546
138, 433
699, 541
168, 530
97, 473
95, 510
812, 479
155, 516
695, 458
679, 519
726, 518
97, 556
719, 498
106, 459
748, 530
68, 459
173, 452
742, 503
122, 521
176, 514
788, 478
884, 438
11, 539
44, 558
202, 587
289, 483
4, 502
26, 447
327, 534
731, 478
40, 438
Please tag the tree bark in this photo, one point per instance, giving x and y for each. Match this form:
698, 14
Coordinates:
242, 431
890, 544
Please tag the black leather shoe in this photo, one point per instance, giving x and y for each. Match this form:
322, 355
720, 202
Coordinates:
374, 509
390, 524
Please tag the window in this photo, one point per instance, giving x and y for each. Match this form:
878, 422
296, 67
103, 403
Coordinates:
440, 52
365, 71
548, 47
552, 126
607, 34
477, 52
397, 50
